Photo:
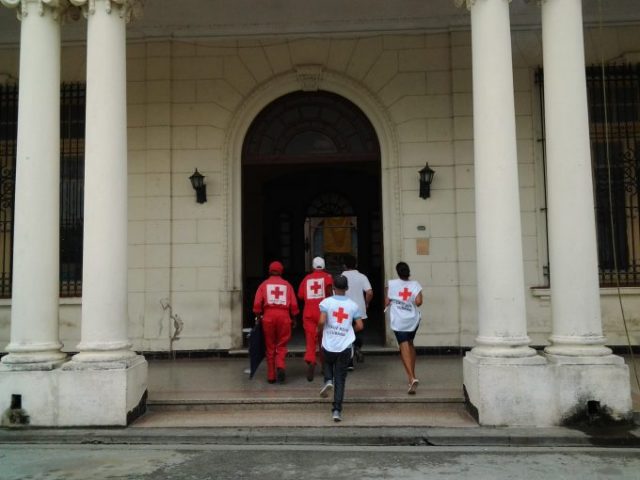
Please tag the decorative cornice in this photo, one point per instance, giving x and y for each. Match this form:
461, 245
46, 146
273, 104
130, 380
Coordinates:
128, 9
309, 77
56, 7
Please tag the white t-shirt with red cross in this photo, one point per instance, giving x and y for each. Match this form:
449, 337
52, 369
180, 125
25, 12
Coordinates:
403, 312
338, 334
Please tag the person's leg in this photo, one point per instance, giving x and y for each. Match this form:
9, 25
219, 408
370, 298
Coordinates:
328, 372
408, 359
310, 336
320, 357
268, 327
413, 357
327, 365
310, 324
340, 372
283, 326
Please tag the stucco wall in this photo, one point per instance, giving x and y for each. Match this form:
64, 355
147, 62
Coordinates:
183, 97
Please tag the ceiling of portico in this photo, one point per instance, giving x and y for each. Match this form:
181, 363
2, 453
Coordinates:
191, 18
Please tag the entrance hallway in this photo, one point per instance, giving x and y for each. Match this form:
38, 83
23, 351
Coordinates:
215, 392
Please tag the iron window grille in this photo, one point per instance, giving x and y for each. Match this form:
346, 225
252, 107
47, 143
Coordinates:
8, 140
72, 131
614, 129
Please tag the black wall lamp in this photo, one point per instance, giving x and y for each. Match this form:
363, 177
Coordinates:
426, 177
197, 182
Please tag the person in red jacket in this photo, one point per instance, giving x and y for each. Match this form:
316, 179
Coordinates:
314, 288
275, 303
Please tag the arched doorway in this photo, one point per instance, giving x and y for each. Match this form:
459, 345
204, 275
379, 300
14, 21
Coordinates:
311, 186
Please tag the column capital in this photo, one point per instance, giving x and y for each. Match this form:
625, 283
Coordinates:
56, 7
128, 9
471, 3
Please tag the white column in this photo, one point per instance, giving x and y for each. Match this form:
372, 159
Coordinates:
575, 293
104, 335
502, 329
35, 288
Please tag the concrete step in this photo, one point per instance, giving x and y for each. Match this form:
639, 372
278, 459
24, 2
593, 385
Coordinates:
306, 413
194, 400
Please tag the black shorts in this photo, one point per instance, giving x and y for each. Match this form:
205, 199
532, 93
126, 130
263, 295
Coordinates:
405, 336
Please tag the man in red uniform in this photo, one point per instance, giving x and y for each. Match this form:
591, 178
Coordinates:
312, 290
274, 301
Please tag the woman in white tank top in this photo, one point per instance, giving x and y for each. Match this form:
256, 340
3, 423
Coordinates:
402, 299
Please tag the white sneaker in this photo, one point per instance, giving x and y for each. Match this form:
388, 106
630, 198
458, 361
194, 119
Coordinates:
337, 416
326, 389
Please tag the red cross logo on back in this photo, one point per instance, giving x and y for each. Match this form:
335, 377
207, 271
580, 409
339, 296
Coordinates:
276, 294
315, 287
405, 294
340, 315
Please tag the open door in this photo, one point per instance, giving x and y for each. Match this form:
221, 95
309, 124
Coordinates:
311, 187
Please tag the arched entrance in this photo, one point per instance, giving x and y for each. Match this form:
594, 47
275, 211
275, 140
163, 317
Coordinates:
311, 186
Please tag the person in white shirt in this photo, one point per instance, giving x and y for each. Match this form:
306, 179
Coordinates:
402, 299
340, 318
360, 291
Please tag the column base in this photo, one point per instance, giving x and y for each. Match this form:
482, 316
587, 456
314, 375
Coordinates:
27, 362
594, 386
508, 347
588, 349
504, 391
546, 391
115, 358
96, 395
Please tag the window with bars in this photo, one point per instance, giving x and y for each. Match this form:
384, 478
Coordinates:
614, 128
72, 115
8, 140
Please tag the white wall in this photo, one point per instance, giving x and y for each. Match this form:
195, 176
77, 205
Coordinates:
183, 95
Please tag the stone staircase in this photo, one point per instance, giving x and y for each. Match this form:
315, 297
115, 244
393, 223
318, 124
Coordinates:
216, 393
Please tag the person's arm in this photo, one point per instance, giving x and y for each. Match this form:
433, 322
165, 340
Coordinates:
293, 308
328, 290
322, 321
386, 297
419, 299
358, 325
258, 301
368, 295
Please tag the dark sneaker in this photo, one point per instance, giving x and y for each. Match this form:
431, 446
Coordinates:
311, 369
337, 416
281, 375
326, 389
272, 381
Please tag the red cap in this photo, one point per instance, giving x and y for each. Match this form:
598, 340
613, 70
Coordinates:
276, 267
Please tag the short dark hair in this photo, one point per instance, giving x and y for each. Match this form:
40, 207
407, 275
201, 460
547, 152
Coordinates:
340, 282
403, 270
350, 261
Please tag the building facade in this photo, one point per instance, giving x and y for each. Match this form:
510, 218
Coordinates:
310, 128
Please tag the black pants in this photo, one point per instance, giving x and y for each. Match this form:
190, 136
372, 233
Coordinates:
335, 369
